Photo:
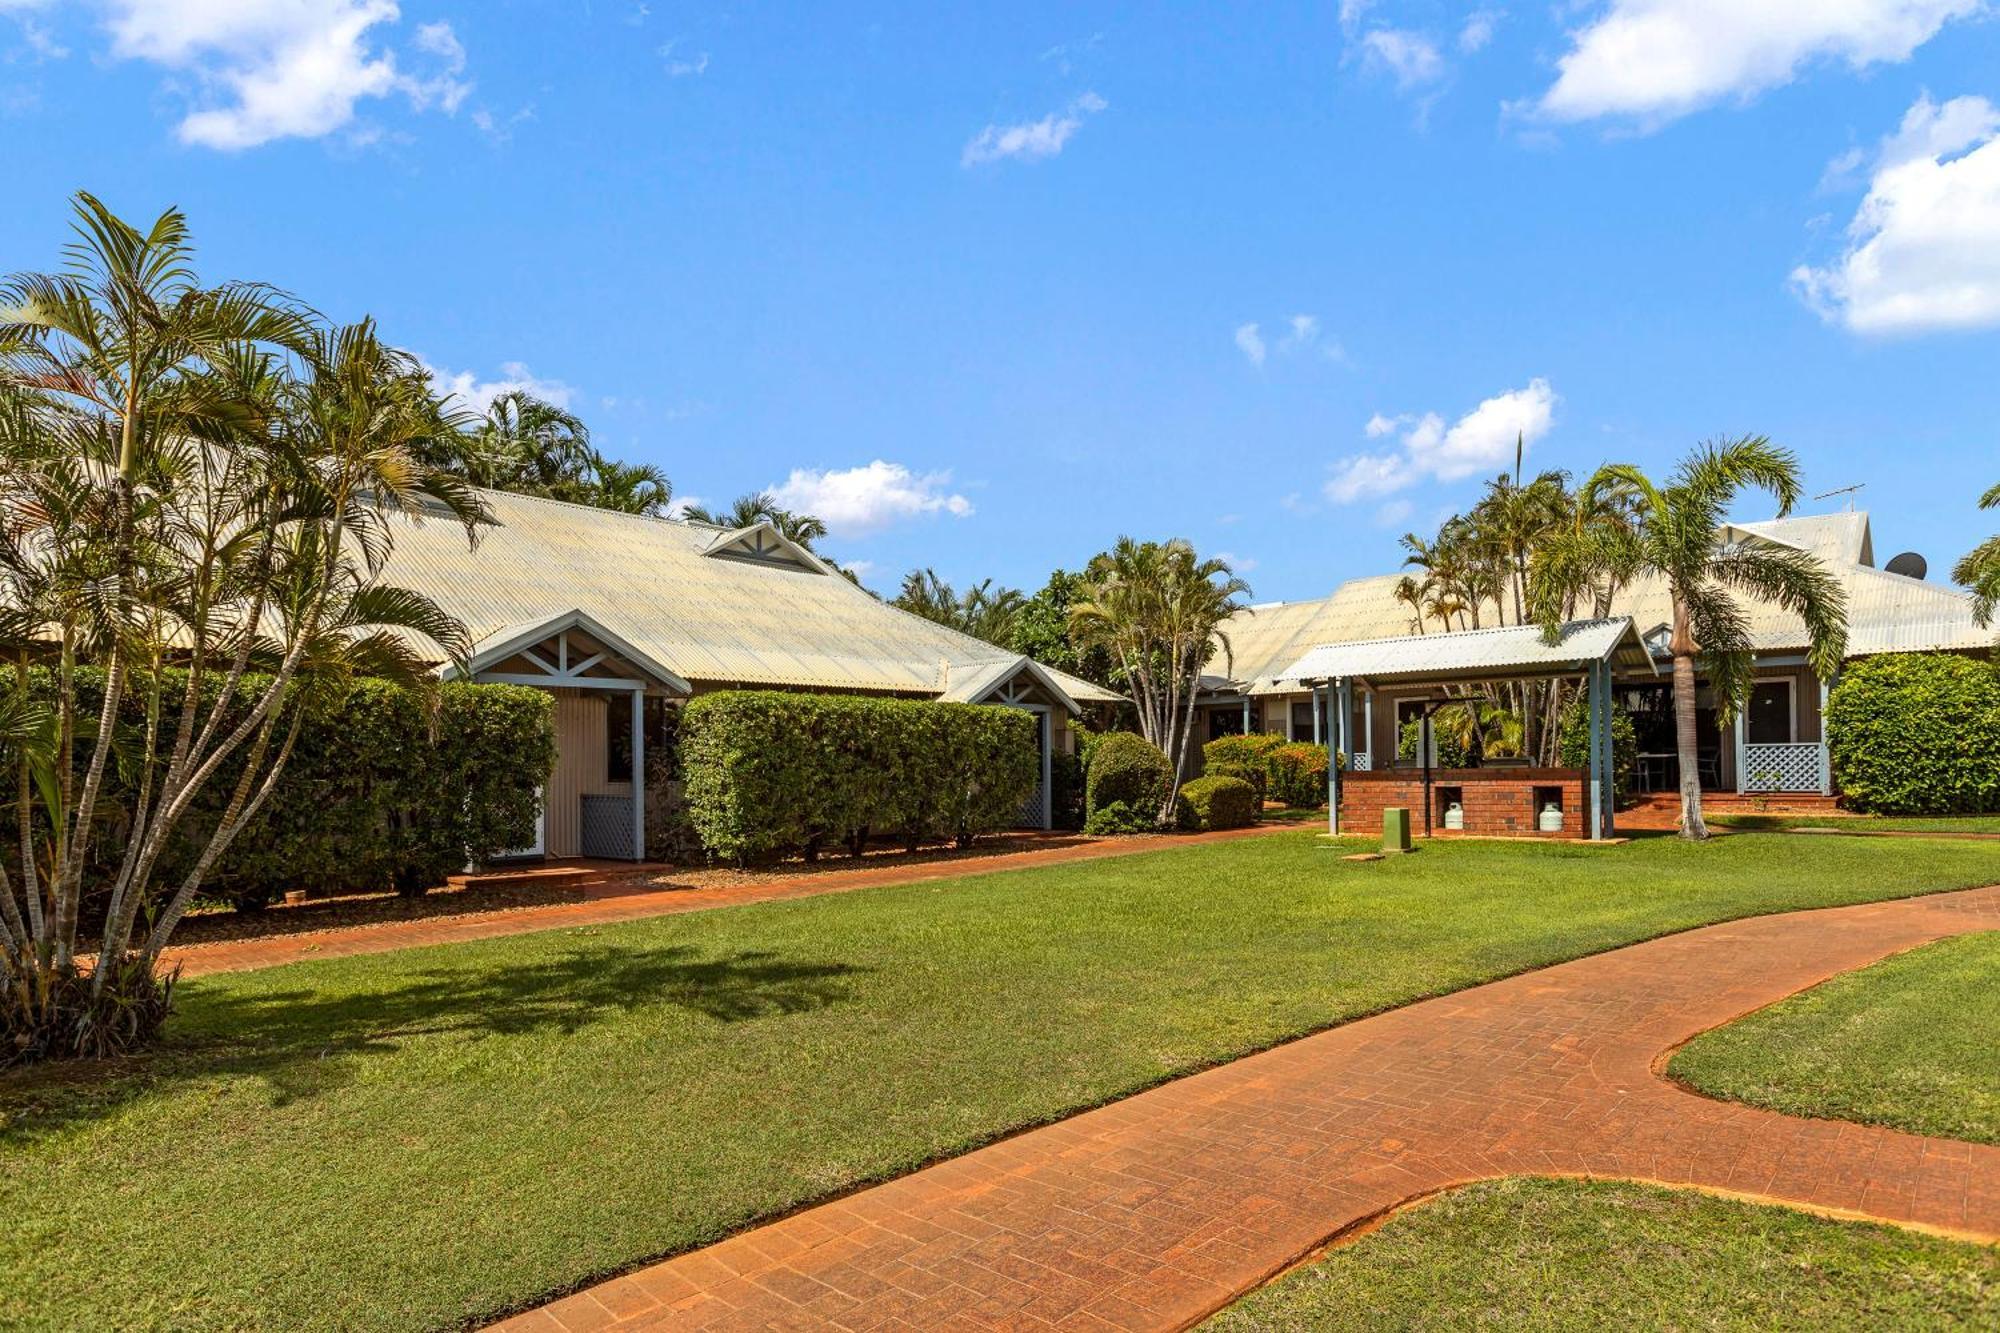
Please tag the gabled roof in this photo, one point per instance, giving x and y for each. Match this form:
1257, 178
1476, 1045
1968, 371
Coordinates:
977, 683
515, 640
710, 620
1475, 654
766, 545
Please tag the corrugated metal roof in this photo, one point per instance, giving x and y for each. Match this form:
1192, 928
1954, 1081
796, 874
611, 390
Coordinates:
713, 620
1885, 612
1466, 654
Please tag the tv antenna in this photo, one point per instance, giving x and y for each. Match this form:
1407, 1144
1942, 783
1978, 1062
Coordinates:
1847, 491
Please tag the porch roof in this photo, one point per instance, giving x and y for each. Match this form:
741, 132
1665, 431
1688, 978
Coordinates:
1472, 655
513, 640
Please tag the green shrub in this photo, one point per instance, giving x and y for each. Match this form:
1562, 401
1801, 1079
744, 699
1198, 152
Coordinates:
1216, 802
1066, 773
770, 773
1298, 775
1573, 743
1917, 734
379, 792
1246, 757
1119, 818
1125, 767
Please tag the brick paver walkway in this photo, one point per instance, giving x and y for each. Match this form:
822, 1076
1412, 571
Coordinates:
634, 900
1157, 1210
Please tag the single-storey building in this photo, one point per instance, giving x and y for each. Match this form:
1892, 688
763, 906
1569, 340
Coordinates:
1774, 745
623, 616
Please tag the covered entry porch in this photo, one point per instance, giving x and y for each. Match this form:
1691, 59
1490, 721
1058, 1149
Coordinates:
594, 803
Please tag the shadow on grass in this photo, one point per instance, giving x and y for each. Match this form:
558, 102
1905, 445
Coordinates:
304, 1040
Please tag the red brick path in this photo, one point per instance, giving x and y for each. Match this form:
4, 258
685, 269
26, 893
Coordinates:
1155, 1211
654, 895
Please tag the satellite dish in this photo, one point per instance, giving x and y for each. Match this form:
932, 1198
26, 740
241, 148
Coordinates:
1910, 565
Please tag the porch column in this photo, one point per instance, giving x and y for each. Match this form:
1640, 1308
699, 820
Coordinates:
1319, 736
1594, 711
639, 774
1343, 726
1368, 724
1742, 730
1246, 710
1048, 732
1825, 753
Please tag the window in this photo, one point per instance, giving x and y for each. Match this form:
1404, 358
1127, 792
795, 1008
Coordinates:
618, 741
1302, 722
1768, 720
1227, 720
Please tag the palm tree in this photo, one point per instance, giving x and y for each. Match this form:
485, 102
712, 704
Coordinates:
1158, 608
527, 444
760, 507
984, 612
1676, 536
170, 483
1979, 569
629, 488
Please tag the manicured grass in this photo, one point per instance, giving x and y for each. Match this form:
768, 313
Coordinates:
1568, 1254
422, 1138
1909, 1042
1865, 823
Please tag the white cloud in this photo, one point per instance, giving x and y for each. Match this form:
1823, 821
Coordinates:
275, 69
1410, 56
1478, 30
1923, 251
1251, 343
477, 395
1238, 564
1653, 60
683, 66
859, 500
1481, 439
1031, 140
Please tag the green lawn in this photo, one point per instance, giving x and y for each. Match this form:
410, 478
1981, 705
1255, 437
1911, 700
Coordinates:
1909, 1042
1569, 1254
1865, 823
421, 1138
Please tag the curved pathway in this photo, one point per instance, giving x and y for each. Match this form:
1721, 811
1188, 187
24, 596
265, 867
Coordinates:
1155, 1211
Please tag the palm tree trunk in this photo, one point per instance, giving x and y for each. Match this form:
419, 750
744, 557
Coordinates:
1685, 745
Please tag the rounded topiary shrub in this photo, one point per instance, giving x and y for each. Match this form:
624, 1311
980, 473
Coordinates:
1216, 803
1917, 734
1126, 768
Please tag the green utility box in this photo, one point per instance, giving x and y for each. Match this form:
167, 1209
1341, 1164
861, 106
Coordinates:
1395, 829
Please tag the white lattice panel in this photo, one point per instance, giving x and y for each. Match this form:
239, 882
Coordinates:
1793, 767
1360, 762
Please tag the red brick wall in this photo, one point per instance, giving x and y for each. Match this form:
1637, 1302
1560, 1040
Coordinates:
1497, 801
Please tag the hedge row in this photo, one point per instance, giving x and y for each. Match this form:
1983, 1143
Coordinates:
772, 774
379, 792
1917, 734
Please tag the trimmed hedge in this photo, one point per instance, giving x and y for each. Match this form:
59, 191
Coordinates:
770, 773
378, 793
1246, 757
1298, 775
1215, 802
1127, 769
1917, 734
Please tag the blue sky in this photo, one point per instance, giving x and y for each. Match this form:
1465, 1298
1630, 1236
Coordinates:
991, 288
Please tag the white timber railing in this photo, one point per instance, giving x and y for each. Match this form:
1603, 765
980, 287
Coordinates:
1797, 766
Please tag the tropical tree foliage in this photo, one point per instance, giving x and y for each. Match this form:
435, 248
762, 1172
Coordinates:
1677, 533
199, 477
531, 446
983, 611
1158, 609
747, 511
1979, 568
1041, 629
